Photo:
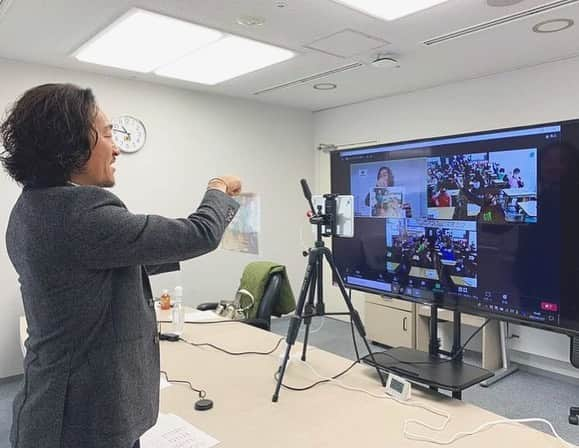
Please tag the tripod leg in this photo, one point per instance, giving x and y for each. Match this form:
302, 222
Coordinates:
294, 326
309, 309
355, 316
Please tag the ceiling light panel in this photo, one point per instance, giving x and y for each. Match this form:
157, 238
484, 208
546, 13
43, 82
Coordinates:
225, 59
389, 9
142, 41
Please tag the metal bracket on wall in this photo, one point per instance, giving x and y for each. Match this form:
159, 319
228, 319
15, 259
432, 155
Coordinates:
329, 147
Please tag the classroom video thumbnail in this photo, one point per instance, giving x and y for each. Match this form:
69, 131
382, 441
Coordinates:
393, 189
495, 187
437, 252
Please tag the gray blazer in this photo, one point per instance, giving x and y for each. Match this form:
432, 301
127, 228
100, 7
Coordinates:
91, 371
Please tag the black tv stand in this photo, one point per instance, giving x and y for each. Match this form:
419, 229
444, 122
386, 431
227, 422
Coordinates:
430, 368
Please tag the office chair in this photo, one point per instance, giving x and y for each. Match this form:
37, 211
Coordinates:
574, 415
270, 298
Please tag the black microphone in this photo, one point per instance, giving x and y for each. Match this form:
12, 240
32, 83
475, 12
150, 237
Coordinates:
306, 188
308, 194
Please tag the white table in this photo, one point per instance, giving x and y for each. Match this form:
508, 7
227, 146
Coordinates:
325, 416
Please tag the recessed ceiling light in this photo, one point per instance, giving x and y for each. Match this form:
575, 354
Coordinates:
141, 41
501, 3
553, 26
389, 9
250, 20
225, 59
325, 86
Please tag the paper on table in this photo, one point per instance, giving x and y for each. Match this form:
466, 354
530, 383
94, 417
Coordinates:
195, 316
172, 431
164, 383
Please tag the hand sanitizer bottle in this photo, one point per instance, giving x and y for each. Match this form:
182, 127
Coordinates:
178, 312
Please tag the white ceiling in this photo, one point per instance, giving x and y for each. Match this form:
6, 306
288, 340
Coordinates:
325, 35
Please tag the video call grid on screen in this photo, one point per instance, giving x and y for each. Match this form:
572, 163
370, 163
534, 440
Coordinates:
433, 250
495, 187
507, 270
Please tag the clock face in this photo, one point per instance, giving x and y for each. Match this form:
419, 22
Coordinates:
129, 133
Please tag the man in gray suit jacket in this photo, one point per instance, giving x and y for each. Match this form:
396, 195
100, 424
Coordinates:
91, 371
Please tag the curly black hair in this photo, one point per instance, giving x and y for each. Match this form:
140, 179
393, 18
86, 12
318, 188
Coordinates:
48, 134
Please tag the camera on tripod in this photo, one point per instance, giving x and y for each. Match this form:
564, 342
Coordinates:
334, 213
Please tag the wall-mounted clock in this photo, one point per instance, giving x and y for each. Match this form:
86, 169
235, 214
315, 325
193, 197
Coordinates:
129, 133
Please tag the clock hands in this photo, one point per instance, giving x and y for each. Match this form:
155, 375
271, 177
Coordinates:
127, 137
123, 131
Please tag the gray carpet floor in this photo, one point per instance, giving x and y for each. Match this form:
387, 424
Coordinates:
524, 394
8, 390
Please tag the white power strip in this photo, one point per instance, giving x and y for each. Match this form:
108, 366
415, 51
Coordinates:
398, 388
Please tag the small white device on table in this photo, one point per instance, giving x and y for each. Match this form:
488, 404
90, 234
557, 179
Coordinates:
398, 387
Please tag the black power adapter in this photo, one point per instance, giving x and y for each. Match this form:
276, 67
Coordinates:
171, 337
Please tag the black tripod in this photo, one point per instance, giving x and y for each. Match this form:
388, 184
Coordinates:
312, 288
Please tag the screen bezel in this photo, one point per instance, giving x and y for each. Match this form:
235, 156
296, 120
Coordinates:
461, 307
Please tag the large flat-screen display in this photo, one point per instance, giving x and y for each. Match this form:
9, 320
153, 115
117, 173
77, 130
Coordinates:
485, 223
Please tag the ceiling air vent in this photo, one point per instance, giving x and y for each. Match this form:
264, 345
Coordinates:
310, 78
500, 21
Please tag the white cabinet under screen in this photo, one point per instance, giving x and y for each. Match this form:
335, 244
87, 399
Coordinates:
390, 322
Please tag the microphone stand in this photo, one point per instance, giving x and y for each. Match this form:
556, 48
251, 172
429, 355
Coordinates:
311, 299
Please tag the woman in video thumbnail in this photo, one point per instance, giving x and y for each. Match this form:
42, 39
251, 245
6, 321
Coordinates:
385, 178
388, 204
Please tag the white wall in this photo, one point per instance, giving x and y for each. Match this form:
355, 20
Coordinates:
539, 94
191, 137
